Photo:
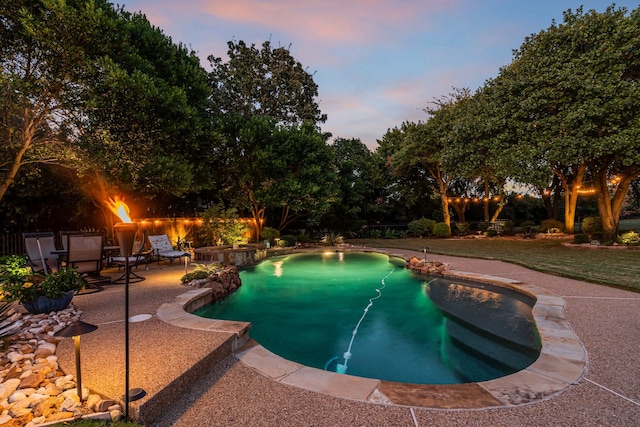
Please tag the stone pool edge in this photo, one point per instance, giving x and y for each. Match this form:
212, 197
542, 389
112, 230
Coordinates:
561, 364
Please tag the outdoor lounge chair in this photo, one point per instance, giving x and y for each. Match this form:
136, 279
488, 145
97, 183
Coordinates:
41, 248
162, 248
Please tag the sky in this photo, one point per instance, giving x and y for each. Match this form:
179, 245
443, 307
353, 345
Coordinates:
377, 63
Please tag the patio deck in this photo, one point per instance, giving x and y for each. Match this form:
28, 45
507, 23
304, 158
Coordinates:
191, 378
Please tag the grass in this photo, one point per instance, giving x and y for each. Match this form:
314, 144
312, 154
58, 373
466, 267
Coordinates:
617, 268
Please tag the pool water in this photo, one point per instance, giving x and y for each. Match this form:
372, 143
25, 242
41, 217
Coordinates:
305, 308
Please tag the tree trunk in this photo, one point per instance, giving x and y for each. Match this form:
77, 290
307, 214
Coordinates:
486, 200
609, 207
257, 213
28, 132
445, 209
502, 202
571, 186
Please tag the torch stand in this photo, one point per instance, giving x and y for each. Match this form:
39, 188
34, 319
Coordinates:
126, 233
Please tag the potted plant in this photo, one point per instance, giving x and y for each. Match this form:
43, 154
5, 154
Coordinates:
38, 293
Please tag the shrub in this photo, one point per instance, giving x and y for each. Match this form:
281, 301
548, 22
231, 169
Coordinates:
222, 226
591, 225
303, 238
287, 240
391, 234
596, 236
201, 271
269, 233
421, 227
551, 226
441, 229
581, 238
332, 239
629, 238
463, 228
492, 232
483, 226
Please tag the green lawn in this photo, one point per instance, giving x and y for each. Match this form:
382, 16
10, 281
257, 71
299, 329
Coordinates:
618, 268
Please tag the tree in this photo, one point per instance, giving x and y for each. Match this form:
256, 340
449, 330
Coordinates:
266, 82
147, 126
359, 183
275, 166
43, 59
420, 155
571, 97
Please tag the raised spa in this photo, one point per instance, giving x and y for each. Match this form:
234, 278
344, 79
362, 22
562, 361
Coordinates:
364, 314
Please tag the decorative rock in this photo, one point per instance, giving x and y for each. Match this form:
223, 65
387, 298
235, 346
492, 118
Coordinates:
8, 387
46, 349
14, 357
32, 381
92, 402
17, 397
36, 421
59, 416
47, 407
70, 405
116, 415
33, 390
106, 405
65, 383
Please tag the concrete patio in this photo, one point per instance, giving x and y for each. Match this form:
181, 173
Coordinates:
192, 378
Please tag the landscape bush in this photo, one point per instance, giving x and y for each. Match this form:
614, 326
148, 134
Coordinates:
591, 225
463, 228
630, 238
441, 229
491, 232
422, 227
287, 240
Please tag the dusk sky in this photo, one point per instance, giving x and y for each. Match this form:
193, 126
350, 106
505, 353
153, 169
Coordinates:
377, 63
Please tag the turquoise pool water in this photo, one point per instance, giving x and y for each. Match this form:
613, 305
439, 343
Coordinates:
305, 307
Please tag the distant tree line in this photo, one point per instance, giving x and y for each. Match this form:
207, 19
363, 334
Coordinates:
96, 101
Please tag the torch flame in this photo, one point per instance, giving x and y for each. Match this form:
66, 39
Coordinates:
119, 208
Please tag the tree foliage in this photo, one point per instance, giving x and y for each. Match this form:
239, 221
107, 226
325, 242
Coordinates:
571, 97
287, 168
43, 47
266, 82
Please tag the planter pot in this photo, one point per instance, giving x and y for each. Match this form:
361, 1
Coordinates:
47, 305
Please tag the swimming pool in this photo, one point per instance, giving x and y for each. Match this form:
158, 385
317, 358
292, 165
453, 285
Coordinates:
306, 308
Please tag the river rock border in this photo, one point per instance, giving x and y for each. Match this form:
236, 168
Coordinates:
33, 389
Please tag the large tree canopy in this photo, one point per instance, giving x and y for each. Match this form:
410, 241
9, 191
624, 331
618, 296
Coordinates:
571, 99
43, 57
104, 90
268, 165
266, 82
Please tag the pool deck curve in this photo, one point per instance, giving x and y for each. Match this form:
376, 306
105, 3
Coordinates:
196, 371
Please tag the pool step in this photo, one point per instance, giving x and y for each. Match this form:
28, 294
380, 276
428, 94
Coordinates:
478, 356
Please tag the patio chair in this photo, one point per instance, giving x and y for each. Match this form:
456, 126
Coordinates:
41, 251
85, 254
64, 238
139, 256
163, 249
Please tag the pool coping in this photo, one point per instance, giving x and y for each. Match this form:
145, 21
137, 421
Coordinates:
562, 362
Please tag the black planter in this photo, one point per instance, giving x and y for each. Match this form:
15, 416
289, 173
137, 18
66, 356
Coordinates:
47, 305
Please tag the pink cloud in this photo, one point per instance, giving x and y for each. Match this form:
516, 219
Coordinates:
356, 21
